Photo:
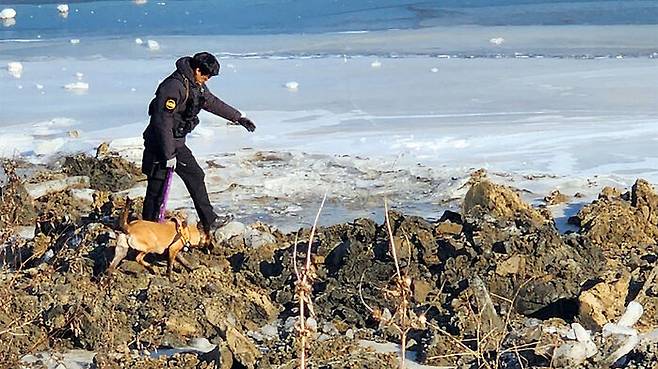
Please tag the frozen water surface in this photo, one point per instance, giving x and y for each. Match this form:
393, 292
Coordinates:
361, 115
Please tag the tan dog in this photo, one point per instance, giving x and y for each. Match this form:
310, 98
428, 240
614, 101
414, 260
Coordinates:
153, 237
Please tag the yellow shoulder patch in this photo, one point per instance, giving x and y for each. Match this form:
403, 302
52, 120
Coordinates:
170, 104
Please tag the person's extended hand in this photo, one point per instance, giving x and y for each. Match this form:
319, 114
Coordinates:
171, 163
247, 123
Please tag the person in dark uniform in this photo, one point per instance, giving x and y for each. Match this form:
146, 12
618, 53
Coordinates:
178, 100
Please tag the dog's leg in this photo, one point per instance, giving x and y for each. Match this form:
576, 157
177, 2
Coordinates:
120, 252
173, 251
146, 265
174, 254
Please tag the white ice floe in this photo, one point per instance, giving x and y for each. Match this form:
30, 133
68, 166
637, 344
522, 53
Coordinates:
74, 41
15, 69
7, 13
292, 86
8, 22
63, 8
39, 86
376, 64
79, 75
139, 41
152, 45
497, 40
633, 313
140, 2
622, 334
434, 70
77, 86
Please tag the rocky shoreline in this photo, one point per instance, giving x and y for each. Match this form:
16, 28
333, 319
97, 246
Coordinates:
494, 285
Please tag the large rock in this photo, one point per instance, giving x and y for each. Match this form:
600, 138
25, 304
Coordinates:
603, 303
500, 202
615, 223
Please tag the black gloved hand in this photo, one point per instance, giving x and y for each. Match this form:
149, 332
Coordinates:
247, 123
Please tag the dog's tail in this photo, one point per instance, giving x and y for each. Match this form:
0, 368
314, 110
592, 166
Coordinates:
123, 219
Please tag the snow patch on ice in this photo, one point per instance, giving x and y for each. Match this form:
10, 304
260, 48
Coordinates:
77, 86
416, 144
376, 64
497, 40
15, 69
292, 86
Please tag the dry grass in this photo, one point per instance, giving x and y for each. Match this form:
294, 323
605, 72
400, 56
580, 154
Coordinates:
303, 288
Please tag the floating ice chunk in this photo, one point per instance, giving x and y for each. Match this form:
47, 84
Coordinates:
497, 40
152, 45
7, 13
15, 69
139, 41
376, 64
292, 86
627, 345
633, 312
570, 354
293, 209
8, 22
63, 8
140, 2
39, 86
79, 75
74, 41
77, 86
610, 329
584, 337
581, 334
434, 70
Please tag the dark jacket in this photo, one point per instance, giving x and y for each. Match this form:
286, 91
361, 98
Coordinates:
174, 110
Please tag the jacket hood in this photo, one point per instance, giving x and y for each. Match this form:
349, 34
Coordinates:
184, 67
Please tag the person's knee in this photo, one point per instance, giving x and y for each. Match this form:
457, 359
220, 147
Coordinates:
193, 172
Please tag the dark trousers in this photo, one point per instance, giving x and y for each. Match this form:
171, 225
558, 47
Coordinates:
192, 175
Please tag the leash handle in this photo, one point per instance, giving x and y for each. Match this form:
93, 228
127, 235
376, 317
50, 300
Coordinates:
165, 194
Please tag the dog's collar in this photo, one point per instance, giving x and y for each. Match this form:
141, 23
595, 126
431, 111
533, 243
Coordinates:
182, 233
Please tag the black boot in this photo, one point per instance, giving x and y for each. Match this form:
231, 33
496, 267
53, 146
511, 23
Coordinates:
219, 222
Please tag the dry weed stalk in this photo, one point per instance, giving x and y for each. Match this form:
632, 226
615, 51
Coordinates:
403, 319
303, 289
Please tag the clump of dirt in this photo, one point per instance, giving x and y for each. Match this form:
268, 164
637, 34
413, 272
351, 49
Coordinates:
16, 206
108, 172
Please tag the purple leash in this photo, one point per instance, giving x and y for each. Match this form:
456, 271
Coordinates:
165, 194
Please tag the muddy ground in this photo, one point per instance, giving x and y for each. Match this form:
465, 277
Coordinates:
495, 285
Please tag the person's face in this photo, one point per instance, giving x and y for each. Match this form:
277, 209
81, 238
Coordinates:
199, 77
